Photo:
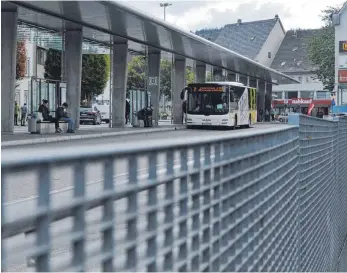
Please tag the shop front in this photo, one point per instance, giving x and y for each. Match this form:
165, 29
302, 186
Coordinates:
301, 106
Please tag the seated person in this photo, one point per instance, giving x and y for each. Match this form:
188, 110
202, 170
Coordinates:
61, 114
43, 109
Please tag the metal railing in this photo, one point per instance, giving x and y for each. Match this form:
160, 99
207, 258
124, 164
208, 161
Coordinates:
271, 200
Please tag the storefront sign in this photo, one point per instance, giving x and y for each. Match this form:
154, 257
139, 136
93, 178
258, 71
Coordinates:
343, 46
343, 61
292, 102
342, 78
301, 101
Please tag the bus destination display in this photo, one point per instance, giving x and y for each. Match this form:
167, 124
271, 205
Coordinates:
208, 89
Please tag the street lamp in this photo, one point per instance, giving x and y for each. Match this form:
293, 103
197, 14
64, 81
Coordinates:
165, 5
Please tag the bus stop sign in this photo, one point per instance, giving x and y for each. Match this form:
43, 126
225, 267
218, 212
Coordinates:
153, 81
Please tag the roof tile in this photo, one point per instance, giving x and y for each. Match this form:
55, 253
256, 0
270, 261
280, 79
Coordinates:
292, 56
245, 38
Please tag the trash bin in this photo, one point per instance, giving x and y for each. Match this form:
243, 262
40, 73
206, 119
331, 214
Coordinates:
141, 115
32, 123
149, 116
135, 119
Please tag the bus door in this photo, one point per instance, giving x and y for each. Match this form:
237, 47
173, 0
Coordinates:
233, 100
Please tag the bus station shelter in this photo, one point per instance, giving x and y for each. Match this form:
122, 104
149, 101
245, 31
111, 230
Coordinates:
123, 29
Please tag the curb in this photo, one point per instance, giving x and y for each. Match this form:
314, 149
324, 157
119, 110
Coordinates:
87, 136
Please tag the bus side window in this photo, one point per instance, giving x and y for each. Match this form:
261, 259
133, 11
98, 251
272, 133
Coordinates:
231, 95
233, 99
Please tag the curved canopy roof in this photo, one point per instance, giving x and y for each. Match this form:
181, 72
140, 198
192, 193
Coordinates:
101, 20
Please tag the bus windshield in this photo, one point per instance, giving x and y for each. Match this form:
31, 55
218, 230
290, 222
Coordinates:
208, 102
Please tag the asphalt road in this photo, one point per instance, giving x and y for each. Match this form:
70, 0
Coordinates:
20, 193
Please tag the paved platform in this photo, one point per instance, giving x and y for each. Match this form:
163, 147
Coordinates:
22, 137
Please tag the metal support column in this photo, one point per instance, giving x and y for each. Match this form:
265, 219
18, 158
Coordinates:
119, 74
73, 72
153, 82
8, 68
178, 82
200, 72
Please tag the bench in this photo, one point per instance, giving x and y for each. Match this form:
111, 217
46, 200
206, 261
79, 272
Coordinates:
48, 127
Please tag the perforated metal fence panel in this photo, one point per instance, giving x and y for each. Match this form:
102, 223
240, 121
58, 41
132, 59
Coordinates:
273, 201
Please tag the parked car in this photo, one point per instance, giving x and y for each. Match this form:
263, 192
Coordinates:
90, 115
282, 118
105, 112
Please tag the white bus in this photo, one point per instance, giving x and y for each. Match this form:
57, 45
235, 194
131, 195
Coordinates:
223, 104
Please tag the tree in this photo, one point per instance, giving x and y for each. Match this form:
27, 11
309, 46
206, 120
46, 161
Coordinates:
95, 72
322, 50
137, 75
209, 76
190, 75
21, 60
53, 65
165, 78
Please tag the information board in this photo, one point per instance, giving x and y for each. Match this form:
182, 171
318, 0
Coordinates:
343, 46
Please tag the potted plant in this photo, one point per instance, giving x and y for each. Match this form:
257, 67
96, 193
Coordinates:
164, 115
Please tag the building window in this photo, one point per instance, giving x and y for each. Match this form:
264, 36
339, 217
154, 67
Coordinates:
291, 95
278, 95
322, 95
26, 96
269, 55
17, 96
27, 68
41, 56
306, 95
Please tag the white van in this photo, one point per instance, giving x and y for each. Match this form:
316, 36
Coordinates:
105, 112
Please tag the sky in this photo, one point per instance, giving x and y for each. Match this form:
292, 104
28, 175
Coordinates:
194, 15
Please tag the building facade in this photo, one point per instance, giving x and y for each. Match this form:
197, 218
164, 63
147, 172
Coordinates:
292, 59
257, 40
340, 23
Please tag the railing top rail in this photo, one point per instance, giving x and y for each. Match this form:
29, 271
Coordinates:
31, 157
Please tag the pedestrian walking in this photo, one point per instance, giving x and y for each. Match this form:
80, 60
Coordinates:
260, 118
272, 114
127, 111
16, 113
24, 111
267, 115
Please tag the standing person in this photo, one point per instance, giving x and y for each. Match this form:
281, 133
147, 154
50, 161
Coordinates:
16, 113
127, 111
61, 114
272, 114
267, 115
184, 111
24, 111
261, 115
